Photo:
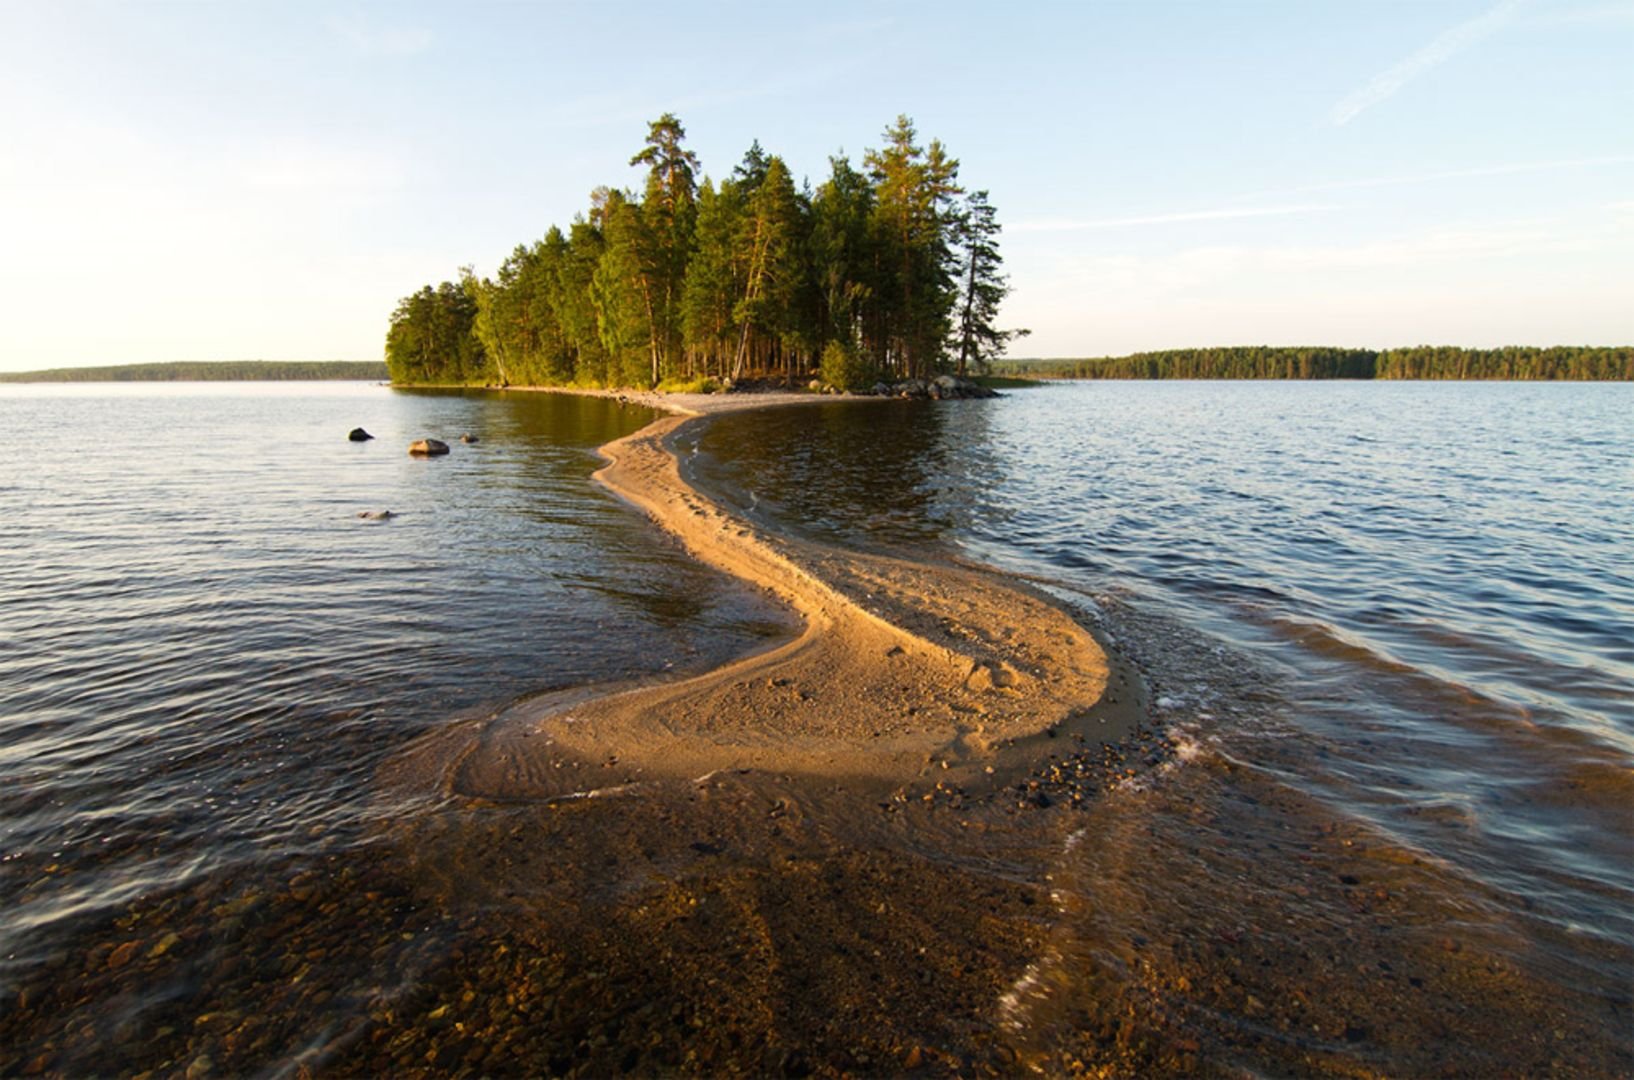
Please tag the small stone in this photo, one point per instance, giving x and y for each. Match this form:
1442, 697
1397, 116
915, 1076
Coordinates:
123, 955
201, 1067
428, 447
469, 438
357, 434
164, 945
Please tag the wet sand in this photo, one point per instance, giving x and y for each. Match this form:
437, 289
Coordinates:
827, 857
800, 864
896, 668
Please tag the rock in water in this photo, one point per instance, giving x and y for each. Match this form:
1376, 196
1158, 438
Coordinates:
359, 435
469, 438
376, 515
428, 447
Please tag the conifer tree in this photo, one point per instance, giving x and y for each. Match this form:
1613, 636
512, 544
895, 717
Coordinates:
669, 216
914, 190
769, 249
713, 284
623, 294
841, 253
982, 287
572, 303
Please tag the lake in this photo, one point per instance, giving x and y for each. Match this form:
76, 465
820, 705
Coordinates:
1385, 629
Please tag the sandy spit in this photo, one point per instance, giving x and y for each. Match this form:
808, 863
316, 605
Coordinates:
897, 667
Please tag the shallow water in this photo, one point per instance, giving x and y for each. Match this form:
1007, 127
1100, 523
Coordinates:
1384, 825
1407, 613
208, 652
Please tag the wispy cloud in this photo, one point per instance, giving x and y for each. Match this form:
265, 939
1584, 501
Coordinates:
1450, 43
1175, 218
373, 39
1608, 14
1510, 169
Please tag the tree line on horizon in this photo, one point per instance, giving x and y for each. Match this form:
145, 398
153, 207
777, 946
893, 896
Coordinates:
208, 371
1433, 362
890, 271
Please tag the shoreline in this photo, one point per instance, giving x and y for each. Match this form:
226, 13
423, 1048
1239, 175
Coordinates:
869, 810
894, 667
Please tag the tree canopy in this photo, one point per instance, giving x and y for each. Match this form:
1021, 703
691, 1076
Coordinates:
208, 371
1561, 362
889, 266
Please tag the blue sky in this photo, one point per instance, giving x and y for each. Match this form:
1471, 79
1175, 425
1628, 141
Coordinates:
192, 181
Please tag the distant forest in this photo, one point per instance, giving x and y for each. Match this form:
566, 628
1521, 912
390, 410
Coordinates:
1562, 362
888, 271
222, 371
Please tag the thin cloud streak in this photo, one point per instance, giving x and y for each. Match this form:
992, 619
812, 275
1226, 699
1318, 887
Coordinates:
1452, 42
1068, 225
1512, 169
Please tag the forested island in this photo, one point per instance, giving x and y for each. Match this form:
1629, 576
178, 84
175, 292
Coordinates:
221, 371
1574, 363
886, 272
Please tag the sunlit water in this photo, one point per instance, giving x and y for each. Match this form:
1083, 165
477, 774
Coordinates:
1392, 627
1386, 629
208, 651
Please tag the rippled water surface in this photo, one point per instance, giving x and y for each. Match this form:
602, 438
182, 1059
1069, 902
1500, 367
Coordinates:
208, 650
1382, 822
1421, 604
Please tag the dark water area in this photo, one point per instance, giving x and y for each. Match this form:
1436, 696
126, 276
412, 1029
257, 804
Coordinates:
208, 654
1382, 822
1389, 628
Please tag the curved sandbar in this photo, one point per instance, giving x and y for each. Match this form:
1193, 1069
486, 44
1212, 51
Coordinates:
898, 665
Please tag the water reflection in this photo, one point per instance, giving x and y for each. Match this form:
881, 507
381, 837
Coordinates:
891, 473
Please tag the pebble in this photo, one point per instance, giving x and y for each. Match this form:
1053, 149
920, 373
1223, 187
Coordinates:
123, 954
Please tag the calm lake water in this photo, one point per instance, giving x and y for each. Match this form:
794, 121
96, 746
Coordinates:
1388, 628
1393, 625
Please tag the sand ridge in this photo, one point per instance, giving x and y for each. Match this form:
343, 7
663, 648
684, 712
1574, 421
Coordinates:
897, 666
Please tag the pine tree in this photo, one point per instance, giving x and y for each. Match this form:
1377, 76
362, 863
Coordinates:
623, 294
713, 284
769, 249
982, 287
914, 192
669, 217
841, 254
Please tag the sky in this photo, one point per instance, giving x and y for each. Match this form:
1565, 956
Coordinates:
216, 181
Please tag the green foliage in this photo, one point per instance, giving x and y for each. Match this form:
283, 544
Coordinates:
843, 252
431, 338
982, 288
751, 277
913, 223
1579, 364
1305, 362
845, 368
700, 385
208, 371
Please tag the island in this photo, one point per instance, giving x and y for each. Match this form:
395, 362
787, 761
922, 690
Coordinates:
877, 275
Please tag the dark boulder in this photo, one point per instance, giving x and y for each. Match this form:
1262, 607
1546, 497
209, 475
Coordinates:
357, 434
